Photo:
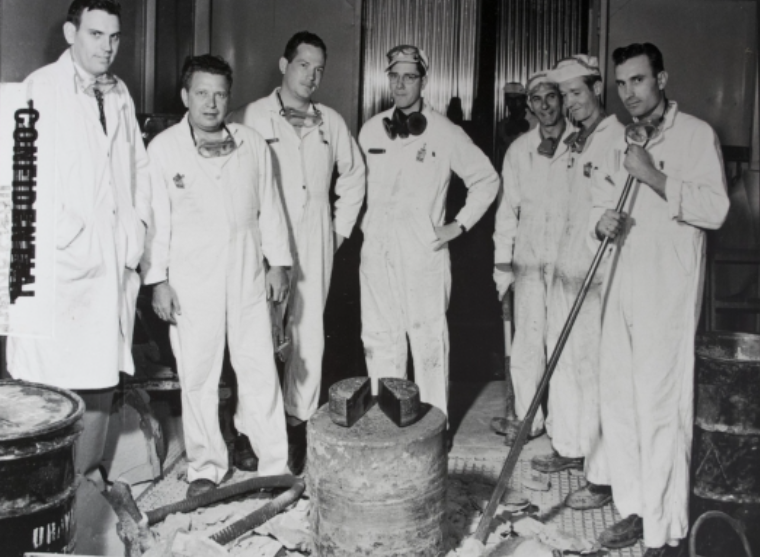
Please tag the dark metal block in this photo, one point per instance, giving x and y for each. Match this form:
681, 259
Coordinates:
349, 400
400, 400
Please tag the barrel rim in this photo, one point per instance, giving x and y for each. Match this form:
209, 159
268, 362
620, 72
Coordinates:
73, 416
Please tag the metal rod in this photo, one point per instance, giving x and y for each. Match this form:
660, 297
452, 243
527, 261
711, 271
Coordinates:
514, 454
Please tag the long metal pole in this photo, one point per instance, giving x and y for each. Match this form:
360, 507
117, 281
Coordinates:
514, 454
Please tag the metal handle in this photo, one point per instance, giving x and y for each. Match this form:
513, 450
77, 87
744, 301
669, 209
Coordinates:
737, 525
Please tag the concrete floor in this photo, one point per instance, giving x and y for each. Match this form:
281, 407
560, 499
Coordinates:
477, 456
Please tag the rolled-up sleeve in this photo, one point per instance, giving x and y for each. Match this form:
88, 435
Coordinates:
351, 184
272, 224
478, 175
699, 195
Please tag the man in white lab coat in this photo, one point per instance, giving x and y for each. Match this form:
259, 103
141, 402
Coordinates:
218, 215
573, 411
102, 210
307, 141
654, 300
405, 270
530, 220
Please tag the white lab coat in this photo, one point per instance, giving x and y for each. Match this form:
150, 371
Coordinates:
530, 220
215, 221
653, 304
303, 168
405, 284
573, 412
103, 197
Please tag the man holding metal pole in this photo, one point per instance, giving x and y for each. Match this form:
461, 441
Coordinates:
573, 422
653, 303
530, 220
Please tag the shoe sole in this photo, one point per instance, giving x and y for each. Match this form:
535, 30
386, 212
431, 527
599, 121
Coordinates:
607, 501
558, 469
620, 545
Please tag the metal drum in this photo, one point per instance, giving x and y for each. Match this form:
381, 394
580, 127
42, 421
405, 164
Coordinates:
377, 489
726, 456
38, 427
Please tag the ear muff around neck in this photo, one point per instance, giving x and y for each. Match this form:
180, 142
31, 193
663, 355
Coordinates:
401, 125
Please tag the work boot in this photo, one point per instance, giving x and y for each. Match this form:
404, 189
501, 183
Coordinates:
243, 457
666, 551
624, 533
555, 462
509, 428
591, 496
296, 448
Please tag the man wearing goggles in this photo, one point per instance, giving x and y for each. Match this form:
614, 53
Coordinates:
530, 220
307, 141
405, 274
218, 217
653, 304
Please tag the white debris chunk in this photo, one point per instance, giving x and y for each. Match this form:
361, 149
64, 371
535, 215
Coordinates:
291, 528
256, 546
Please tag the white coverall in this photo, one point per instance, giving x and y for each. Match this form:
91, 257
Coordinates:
103, 197
653, 303
530, 220
303, 168
405, 284
216, 220
574, 421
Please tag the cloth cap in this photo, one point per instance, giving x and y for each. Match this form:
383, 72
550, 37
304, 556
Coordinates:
406, 53
514, 88
578, 65
539, 78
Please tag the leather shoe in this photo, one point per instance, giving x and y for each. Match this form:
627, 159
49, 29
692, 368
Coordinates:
591, 496
509, 428
199, 487
554, 462
624, 533
243, 457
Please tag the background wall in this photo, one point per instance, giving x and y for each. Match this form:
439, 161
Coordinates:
709, 48
252, 36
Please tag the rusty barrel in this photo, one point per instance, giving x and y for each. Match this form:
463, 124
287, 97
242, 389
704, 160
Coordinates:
726, 455
38, 427
377, 489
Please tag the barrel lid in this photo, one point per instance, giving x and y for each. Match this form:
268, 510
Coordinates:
28, 409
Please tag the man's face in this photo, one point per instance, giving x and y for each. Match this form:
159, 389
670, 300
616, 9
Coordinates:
580, 101
406, 84
302, 76
546, 103
96, 41
638, 87
207, 100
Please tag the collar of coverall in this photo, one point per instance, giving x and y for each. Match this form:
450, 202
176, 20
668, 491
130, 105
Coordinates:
668, 118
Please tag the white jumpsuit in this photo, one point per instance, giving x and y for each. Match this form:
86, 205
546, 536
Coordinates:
405, 284
574, 422
303, 168
216, 220
654, 299
530, 220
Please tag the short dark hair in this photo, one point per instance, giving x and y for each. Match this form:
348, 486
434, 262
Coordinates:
78, 7
303, 37
625, 53
208, 63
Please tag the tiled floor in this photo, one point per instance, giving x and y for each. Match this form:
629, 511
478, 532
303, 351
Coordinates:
480, 453
477, 456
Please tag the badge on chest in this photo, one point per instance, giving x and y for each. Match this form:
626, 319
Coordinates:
179, 180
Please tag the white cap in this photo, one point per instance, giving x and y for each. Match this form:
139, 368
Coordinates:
578, 65
539, 78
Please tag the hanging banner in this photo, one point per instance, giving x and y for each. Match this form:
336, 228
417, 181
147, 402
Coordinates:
27, 218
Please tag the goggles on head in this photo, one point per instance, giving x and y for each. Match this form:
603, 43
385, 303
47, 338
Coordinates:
299, 118
406, 53
210, 149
